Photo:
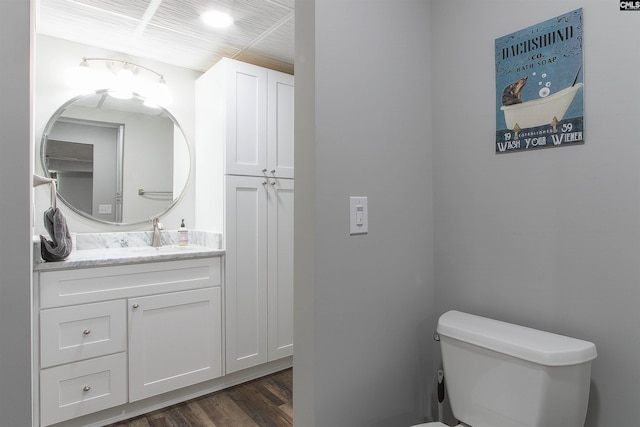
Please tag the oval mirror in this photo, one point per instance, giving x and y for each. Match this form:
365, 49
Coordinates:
116, 161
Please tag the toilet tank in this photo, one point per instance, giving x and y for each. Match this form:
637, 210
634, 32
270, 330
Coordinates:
499, 374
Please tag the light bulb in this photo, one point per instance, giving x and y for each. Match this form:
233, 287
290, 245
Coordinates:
217, 19
159, 95
123, 85
82, 78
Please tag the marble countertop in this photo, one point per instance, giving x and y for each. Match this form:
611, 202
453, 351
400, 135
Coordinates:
102, 249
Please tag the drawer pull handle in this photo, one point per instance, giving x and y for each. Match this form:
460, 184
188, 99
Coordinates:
136, 305
86, 331
86, 388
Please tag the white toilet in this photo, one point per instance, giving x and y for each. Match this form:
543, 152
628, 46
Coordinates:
502, 375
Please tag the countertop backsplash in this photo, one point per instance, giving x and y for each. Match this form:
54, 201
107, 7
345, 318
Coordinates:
84, 241
132, 239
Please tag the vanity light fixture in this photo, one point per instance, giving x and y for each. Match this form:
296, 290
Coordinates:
217, 19
123, 84
158, 95
122, 81
83, 78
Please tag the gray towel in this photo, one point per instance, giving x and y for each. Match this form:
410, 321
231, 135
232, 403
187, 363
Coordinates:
60, 247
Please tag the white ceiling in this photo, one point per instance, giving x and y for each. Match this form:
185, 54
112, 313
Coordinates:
172, 32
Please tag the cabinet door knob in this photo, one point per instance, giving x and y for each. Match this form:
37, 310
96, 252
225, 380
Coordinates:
86, 388
86, 331
273, 183
264, 171
135, 305
273, 171
264, 182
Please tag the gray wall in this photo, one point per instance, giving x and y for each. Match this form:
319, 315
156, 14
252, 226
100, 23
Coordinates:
364, 303
15, 215
305, 216
549, 238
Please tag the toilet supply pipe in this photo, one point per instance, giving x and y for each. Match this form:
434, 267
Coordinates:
440, 394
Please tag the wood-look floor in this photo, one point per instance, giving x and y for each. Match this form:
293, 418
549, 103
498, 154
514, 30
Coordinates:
264, 402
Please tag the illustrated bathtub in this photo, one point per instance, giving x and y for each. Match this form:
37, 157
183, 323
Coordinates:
539, 112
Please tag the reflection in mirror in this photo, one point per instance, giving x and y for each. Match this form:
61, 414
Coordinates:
116, 161
90, 186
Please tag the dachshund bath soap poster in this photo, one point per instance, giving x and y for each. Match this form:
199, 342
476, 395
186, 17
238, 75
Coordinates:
539, 85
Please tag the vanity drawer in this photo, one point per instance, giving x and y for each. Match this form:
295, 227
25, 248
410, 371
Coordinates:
80, 388
69, 334
83, 285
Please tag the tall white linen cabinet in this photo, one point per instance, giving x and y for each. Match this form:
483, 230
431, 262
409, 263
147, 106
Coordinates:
244, 189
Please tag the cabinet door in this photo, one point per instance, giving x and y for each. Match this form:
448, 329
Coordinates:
246, 126
246, 272
174, 341
280, 257
280, 124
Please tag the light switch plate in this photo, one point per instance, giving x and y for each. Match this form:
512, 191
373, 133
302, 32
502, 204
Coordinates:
358, 215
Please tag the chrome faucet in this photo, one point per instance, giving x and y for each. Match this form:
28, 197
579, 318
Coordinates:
157, 226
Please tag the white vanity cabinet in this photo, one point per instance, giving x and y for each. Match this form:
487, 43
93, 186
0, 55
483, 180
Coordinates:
259, 270
116, 334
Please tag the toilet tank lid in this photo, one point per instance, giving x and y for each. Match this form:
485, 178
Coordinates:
536, 346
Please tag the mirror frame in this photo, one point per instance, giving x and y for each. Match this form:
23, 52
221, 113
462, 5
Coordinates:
43, 143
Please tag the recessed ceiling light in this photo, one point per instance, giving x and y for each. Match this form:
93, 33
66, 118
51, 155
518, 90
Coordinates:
217, 19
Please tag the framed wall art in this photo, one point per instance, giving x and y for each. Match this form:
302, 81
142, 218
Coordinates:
539, 85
